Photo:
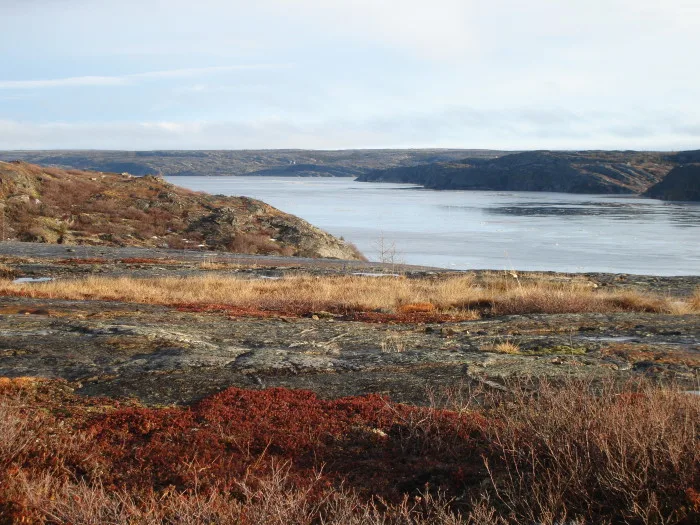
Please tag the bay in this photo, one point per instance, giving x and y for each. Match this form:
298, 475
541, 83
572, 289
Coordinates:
485, 229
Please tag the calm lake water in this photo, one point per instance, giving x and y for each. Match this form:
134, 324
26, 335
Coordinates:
485, 229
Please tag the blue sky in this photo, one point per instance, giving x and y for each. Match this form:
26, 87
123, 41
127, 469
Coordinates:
215, 74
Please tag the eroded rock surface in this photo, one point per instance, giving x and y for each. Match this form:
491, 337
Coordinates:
163, 355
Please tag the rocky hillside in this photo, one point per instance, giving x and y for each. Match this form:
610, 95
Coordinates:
681, 184
557, 171
76, 207
307, 163
685, 157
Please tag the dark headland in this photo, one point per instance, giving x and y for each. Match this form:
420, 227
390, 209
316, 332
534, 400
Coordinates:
602, 172
681, 184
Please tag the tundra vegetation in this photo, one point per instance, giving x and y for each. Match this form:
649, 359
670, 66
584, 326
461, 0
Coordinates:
571, 449
534, 452
52, 205
458, 297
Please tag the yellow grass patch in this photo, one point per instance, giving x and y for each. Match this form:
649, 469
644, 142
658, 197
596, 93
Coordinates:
506, 347
493, 293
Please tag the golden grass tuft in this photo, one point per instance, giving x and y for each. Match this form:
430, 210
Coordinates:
455, 295
394, 343
506, 347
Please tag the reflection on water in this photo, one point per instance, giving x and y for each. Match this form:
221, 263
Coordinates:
682, 214
482, 229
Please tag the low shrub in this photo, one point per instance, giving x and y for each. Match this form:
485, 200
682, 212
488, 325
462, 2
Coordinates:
533, 452
256, 244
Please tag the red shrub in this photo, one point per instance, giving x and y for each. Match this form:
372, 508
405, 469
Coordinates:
227, 436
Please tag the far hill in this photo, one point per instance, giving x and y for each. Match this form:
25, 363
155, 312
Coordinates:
681, 184
556, 171
685, 157
306, 163
76, 207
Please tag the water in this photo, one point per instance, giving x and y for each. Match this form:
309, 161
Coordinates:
486, 229
32, 280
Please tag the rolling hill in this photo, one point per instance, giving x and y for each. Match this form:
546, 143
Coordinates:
77, 207
556, 171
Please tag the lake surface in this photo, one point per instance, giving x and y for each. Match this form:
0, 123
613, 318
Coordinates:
486, 229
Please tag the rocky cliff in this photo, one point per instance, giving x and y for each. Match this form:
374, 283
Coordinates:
681, 184
557, 171
77, 207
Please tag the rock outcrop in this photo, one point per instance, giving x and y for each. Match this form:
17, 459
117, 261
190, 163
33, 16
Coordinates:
681, 184
77, 207
556, 171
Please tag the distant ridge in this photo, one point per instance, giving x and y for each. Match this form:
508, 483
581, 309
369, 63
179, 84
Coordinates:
555, 171
601, 172
290, 162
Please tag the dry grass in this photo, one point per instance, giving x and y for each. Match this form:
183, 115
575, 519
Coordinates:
506, 347
394, 343
585, 451
6, 272
271, 500
695, 300
460, 295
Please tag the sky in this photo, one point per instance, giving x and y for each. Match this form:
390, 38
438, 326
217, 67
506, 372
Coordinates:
338, 74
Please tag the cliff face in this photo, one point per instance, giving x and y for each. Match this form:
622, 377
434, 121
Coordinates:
570, 172
681, 184
77, 207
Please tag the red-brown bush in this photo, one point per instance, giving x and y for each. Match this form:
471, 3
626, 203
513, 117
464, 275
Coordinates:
576, 453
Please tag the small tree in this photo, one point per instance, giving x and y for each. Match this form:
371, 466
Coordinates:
386, 250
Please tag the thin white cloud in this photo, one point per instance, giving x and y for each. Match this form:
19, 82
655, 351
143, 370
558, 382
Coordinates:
543, 73
122, 80
514, 128
63, 82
